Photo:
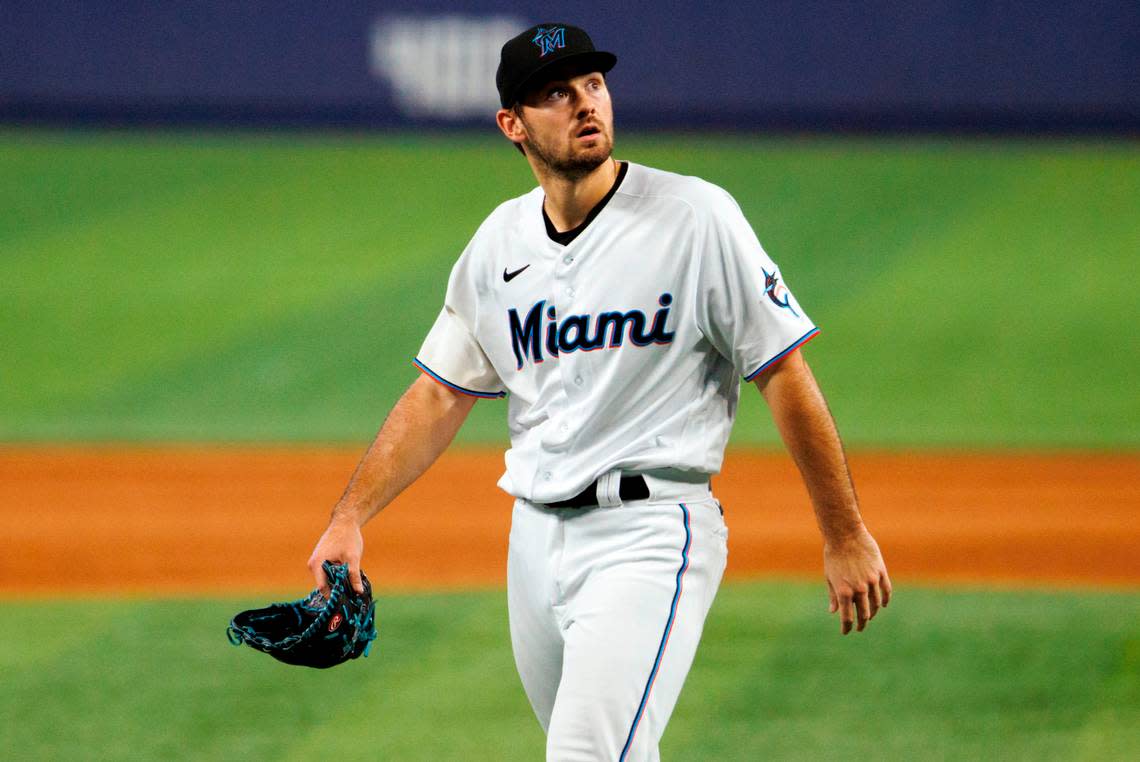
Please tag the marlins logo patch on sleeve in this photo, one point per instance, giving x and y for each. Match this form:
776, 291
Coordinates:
777, 293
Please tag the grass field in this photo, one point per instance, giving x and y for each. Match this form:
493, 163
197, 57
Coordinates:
939, 675
219, 287
273, 289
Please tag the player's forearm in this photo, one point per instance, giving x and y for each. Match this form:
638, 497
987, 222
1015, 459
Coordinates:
808, 430
419, 428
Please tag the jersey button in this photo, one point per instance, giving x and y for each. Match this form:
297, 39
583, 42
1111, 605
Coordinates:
577, 380
546, 475
567, 259
570, 292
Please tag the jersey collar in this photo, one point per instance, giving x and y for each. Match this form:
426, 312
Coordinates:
567, 236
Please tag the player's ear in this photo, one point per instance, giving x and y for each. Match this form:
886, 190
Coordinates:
511, 125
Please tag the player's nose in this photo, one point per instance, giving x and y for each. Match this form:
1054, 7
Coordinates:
585, 104
586, 108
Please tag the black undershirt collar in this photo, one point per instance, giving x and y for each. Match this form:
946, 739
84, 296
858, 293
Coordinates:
566, 237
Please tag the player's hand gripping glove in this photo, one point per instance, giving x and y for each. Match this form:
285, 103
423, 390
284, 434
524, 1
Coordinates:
313, 632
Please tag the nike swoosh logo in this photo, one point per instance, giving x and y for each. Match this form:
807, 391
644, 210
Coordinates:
508, 277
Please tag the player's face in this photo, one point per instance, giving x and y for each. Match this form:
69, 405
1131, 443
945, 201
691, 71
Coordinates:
569, 124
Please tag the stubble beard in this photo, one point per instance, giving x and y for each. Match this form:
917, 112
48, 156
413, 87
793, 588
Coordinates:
571, 165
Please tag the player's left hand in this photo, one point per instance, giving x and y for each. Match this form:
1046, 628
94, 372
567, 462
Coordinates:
857, 581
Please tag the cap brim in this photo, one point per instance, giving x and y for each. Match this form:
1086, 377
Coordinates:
596, 60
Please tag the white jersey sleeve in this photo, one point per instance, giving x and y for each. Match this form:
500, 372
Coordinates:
451, 354
742, 305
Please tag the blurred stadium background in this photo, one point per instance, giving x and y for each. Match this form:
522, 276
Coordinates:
225, 229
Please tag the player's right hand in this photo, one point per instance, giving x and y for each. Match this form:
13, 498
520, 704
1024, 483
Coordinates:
341, 543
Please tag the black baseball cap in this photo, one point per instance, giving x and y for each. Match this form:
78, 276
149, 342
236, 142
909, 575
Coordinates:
525, 57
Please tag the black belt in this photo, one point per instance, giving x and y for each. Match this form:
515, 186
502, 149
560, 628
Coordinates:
630, 488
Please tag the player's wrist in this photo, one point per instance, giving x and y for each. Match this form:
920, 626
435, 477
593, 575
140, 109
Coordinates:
348, 515
840, 535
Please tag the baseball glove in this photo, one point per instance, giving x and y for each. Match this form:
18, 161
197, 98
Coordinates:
314, 631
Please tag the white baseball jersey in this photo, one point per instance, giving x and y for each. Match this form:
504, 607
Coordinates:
624, 348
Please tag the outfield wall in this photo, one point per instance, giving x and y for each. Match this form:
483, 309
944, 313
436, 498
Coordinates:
883, 64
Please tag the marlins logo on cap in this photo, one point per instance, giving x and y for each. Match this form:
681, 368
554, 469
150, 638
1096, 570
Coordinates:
548, 40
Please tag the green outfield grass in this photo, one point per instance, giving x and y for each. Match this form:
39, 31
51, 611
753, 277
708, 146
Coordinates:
940, 675
248, 287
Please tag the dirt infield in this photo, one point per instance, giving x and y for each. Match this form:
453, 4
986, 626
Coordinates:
208, 521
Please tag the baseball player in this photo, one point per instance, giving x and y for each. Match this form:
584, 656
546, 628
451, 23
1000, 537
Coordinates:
617, 307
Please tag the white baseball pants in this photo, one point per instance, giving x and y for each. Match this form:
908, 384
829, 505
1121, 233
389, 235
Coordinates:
607, 605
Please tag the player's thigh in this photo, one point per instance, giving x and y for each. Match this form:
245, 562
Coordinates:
633, 633
536, 637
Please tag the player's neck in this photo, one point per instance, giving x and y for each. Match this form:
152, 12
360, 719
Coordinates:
568, 202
